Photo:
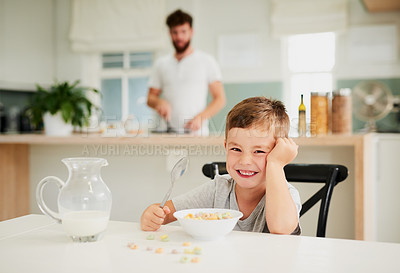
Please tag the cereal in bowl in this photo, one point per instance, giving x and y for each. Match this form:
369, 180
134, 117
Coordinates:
208, 216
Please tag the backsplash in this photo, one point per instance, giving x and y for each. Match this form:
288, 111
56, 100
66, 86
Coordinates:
14, 102
390, 123
237, 92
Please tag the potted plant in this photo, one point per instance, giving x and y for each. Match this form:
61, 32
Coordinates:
61, 107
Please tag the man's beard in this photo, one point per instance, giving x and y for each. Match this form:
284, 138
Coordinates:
181, 49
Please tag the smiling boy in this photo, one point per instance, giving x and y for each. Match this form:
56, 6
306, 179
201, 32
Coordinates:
258, 148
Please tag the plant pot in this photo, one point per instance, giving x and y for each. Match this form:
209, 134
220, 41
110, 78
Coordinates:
54, 125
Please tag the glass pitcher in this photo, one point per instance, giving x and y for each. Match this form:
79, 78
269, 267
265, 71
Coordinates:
84, 200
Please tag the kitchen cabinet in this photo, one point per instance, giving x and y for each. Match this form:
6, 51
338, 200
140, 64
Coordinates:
382, 188
381, 5
14, 180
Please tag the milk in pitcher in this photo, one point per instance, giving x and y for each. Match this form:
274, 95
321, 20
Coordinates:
85, 222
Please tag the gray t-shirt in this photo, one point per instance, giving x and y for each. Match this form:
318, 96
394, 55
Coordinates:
220, 193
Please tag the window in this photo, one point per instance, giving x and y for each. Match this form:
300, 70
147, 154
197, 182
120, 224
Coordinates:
309, 63
124, 85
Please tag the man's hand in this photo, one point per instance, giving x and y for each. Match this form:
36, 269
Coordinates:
153, 217
194, 124
284, 152
163, 109
160, 105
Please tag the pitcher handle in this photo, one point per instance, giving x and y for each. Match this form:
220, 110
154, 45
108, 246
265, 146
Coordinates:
39, 196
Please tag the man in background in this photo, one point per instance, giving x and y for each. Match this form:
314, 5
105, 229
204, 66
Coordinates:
180, 82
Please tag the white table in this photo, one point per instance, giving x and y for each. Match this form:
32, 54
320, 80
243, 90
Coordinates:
34, 243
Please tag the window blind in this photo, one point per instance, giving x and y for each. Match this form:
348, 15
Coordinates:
118, 25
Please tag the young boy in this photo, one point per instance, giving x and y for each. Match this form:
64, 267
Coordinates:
257, 147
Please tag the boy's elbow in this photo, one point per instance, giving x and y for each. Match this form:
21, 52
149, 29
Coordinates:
283, 229
280, 231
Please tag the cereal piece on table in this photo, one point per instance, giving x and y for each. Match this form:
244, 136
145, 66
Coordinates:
186, 243
188, 251
195, 260
159, 250
184, 259
164, 238
174, 251
133, 246
197, 250
149, 248
150, 237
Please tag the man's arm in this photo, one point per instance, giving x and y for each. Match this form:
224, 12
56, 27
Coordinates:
161, 106
218, 102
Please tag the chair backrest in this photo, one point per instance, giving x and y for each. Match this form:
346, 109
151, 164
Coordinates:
328, 174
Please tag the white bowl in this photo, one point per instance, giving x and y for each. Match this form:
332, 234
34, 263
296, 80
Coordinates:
207, 229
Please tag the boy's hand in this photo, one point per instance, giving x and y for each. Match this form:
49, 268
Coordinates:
153, 217
284, 152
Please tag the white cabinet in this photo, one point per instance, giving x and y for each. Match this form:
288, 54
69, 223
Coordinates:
382, 189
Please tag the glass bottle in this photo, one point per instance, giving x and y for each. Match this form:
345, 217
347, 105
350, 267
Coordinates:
302, 118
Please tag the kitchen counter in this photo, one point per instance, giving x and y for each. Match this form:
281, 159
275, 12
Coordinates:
15, 167
164, 139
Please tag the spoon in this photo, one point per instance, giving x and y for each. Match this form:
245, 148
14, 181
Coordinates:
177, 171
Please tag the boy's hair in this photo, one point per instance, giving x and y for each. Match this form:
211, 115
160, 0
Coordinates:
259, 112
178, 18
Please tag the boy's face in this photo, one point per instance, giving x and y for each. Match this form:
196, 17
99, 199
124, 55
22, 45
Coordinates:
247, 151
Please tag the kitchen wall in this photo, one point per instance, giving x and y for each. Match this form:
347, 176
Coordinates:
252, 16
27, 50
346, 69
35, 46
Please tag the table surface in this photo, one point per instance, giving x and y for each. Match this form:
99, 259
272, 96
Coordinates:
35, 243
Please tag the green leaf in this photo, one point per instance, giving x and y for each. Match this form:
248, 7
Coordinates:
67, 110
69, 98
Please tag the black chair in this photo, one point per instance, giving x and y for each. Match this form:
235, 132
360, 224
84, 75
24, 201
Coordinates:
328, 174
